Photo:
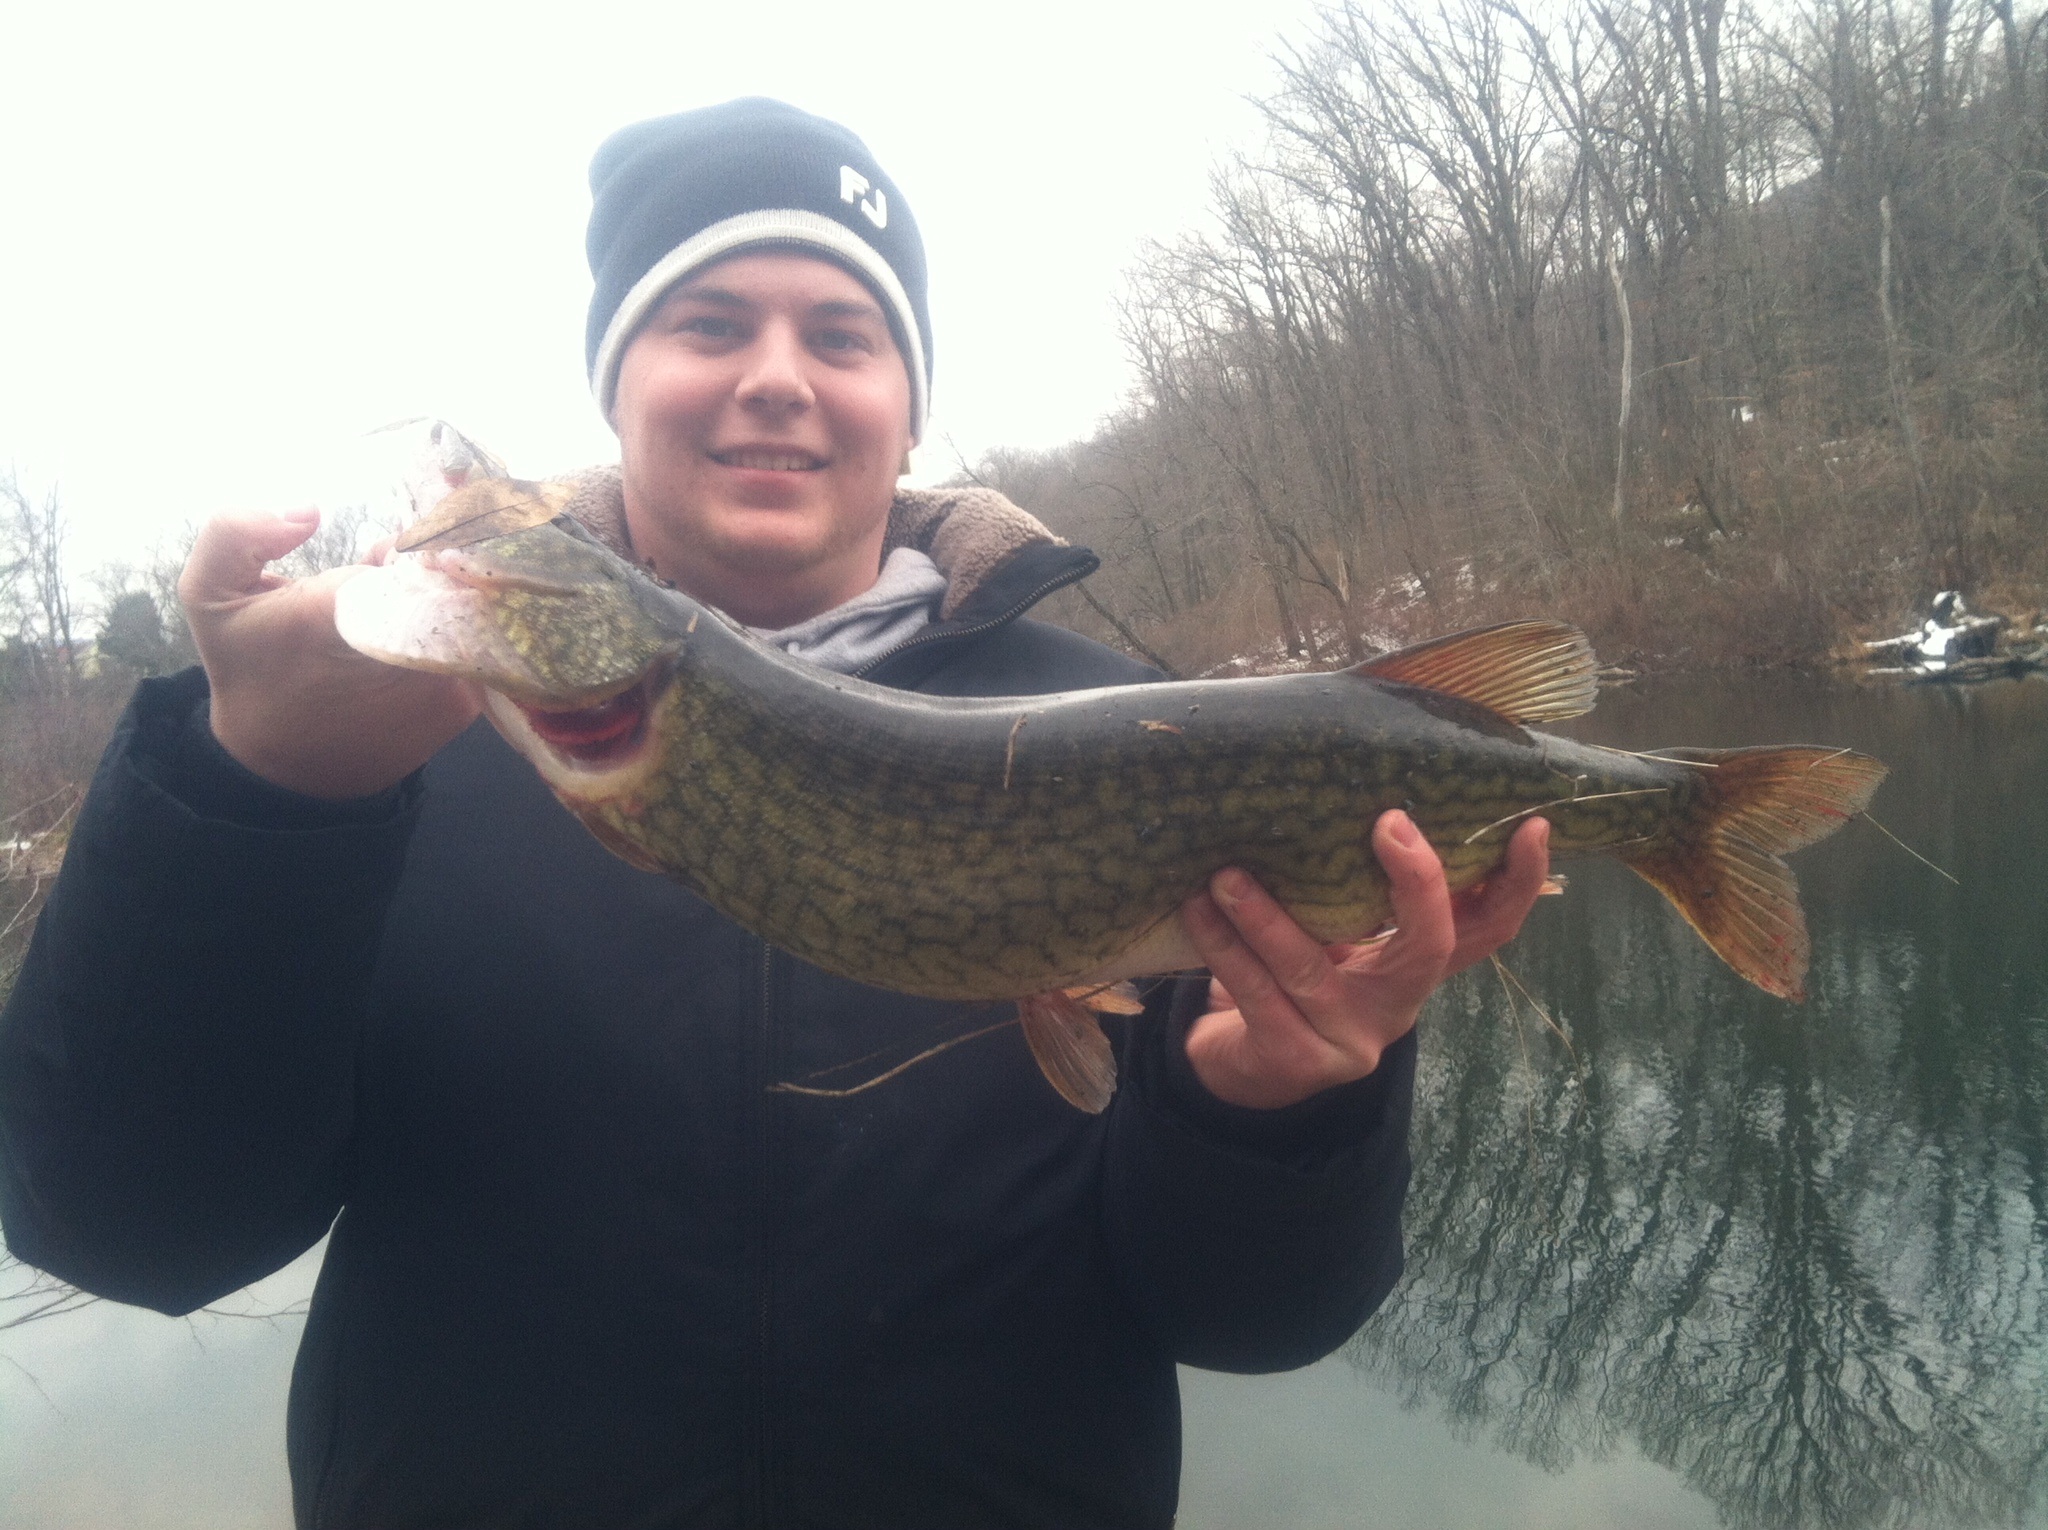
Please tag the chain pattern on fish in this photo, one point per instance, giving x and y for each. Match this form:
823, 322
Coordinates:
1016, 847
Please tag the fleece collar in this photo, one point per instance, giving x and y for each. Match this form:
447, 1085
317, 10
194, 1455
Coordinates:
875, 623
969, 533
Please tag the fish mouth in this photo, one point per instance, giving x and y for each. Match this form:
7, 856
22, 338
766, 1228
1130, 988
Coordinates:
473, 569
599, 735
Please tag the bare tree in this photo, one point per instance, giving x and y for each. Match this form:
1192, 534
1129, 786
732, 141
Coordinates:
1577, 304
33, 586
339, 541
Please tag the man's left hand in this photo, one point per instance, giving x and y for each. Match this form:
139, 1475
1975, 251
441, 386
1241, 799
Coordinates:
1289, 1018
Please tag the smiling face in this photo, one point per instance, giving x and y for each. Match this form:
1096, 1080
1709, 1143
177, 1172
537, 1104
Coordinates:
763, 412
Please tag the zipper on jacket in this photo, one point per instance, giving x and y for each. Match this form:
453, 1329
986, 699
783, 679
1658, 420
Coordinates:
757, 1489
756, 1508
1009, 614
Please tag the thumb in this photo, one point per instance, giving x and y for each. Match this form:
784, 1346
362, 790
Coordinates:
228, 555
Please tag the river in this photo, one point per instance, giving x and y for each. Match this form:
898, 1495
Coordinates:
1719, 1259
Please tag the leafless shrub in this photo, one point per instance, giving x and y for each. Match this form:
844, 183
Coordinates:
1385, 388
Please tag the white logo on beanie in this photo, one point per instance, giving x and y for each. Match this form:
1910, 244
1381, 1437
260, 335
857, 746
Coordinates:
853, 184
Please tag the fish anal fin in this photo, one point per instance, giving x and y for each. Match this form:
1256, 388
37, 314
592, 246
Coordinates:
1527, 672
1721, 867
1108, 998
1067, 1041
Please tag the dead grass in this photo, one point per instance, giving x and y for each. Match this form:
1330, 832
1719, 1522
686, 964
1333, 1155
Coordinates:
49, 746
1830, 546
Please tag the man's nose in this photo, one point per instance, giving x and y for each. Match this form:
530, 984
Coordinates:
776, 375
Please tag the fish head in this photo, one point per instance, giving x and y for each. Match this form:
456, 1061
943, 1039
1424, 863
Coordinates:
572, 644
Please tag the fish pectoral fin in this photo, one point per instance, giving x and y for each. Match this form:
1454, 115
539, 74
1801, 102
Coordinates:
1533, 671
1073, 1054
1108, 998
627, 850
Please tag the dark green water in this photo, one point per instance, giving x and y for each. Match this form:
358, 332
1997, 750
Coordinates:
1797, 1255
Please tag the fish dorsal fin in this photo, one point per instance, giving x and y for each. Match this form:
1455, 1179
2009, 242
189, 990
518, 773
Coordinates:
1528, 672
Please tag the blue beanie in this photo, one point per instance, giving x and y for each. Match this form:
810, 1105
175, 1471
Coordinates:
676, 193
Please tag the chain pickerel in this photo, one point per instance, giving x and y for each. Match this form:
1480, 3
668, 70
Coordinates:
1038, 848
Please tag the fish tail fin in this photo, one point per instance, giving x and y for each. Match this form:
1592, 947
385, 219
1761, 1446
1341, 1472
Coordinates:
1721, 866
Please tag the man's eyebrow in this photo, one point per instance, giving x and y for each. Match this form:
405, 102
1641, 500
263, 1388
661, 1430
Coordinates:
721, 297
717, 296
845, 308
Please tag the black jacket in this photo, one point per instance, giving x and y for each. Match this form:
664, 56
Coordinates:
588, 1269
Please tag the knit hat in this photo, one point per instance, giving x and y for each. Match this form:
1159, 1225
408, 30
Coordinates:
676, 193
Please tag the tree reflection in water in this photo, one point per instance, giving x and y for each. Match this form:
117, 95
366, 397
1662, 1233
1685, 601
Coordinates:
1800, 1256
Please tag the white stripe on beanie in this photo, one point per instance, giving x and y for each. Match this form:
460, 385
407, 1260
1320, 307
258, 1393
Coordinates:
775, 226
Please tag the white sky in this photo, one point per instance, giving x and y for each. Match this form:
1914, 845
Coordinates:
234, 238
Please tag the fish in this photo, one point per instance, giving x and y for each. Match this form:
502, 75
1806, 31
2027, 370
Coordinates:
1037, 849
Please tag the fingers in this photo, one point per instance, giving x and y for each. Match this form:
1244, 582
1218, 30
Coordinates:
1248, 979
290, 700
1289, 1017
1286, 1021
230, 551
1492, 917
1426, 931
1272, 967
1255, 1047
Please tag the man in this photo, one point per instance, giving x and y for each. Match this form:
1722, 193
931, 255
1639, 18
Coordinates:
323, 945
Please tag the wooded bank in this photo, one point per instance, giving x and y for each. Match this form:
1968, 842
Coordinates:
1720, 329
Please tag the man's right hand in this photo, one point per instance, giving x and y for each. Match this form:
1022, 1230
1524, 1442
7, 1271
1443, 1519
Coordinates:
291, 701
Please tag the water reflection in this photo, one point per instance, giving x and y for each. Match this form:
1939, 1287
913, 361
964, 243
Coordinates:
1796, 1255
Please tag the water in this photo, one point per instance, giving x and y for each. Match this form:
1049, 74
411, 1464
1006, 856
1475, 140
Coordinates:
1721, 1256
1723, 1260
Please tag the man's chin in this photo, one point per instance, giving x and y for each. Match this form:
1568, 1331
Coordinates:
772, 582
736, 555
773, 551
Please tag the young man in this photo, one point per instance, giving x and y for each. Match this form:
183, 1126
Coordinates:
323, 945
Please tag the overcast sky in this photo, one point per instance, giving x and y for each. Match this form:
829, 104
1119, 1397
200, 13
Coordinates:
238, 237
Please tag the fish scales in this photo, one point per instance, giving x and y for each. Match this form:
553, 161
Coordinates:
1013, 847
939, 852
